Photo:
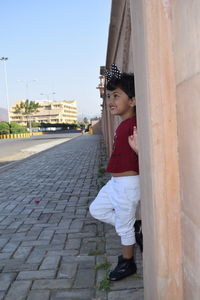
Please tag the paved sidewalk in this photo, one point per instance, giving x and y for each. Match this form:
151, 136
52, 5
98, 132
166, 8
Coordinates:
49, 244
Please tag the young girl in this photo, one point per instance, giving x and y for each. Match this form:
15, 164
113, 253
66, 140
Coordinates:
117, 201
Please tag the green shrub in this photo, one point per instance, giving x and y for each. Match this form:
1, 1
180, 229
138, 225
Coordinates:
16, 128
4, 128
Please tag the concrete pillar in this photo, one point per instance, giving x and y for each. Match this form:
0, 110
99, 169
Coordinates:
157, 126
186, 46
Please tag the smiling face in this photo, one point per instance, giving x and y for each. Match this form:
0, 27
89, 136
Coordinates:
120, 104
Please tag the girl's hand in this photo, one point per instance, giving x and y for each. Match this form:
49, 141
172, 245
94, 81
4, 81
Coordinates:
133, 141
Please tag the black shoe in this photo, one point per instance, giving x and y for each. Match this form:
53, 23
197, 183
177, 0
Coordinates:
124, 268
138, 234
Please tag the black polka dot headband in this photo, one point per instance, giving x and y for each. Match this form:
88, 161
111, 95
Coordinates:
113, 73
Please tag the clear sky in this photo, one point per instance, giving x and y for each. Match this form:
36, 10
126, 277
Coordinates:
60, 43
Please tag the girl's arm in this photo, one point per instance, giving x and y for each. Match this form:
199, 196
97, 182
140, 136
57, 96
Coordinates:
133, 141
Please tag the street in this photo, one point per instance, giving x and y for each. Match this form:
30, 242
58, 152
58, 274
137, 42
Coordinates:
15, 149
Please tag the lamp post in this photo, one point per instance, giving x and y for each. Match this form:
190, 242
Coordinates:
27, 83
101, 85
53, 95
4, 59
47, 95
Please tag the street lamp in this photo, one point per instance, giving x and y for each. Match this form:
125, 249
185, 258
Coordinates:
4, 59
53, 95
101, 85
49, 104
27, 83
47, 95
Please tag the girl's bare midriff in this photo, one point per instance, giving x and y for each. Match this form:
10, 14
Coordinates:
127, 173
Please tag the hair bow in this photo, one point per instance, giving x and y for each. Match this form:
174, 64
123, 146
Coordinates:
113, 73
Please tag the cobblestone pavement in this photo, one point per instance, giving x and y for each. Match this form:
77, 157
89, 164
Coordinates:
50, 247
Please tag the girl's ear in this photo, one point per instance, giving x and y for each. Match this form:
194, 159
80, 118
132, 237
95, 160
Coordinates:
133, 102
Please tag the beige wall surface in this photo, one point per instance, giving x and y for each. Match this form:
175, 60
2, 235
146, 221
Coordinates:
160, 41
96, 126
156, 103
186, 38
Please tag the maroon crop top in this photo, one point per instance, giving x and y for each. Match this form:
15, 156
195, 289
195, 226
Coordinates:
123, 158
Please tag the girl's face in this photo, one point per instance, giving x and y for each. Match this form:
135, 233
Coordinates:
120, 104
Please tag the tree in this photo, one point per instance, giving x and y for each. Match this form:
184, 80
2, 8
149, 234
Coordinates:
85, 120
27, 108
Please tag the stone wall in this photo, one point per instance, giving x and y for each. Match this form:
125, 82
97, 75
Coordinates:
186, 47
159, 41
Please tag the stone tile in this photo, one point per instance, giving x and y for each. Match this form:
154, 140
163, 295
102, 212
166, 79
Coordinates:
46, 234
67, 252
10, 247
73, 243
81, 235
2, 295
50, 262
87, 247
51, 284
59, 238
3, 241
76, 224
36, 256
35, 243
22, 252
19, 266
85, 262
18, 290
5, 255
38, 295
41, 274
78, 294
100, 274
15, 225
85, 279
130, 294
67, 270
5, 280
100, 295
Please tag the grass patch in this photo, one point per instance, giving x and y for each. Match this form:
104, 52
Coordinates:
95, 252
101, 171
104, 265
137, 276
101, 184
104, 284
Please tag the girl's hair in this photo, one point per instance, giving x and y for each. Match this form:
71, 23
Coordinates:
125, 83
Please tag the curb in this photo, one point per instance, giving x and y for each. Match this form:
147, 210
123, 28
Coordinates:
18, 135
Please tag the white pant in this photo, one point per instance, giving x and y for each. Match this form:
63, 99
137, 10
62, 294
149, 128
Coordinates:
116, 204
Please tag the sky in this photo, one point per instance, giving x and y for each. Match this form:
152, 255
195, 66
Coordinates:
54, 48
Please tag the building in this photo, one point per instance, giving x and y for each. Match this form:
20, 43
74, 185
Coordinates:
159, 41
49, 112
